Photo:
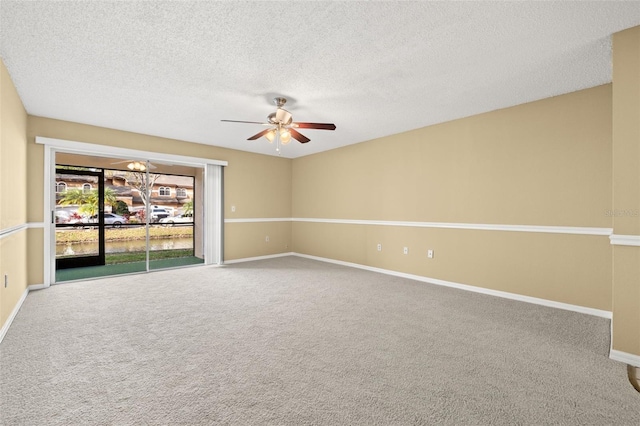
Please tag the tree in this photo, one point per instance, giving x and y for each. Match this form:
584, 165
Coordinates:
74, 197
138, 180
87, 202
121, 208
110, 197
187, 207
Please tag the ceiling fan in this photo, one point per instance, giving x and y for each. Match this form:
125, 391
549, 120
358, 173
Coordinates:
282, 127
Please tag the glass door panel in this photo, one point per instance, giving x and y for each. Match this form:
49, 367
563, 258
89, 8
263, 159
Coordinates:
171, 218
79, 224
125, 216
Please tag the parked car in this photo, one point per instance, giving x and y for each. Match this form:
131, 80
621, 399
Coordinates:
181, 218
158, 213
62, 216
109, 219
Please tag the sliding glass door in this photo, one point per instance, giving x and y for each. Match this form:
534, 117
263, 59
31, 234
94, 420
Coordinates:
115, 216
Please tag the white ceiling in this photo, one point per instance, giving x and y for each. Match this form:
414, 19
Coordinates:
175, 69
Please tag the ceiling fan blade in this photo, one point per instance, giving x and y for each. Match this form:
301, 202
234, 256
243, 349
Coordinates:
259, 135
250, 122
298, 136
320, 126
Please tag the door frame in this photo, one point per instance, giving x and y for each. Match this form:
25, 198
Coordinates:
212, 192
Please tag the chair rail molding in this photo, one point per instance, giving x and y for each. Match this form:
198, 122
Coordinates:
624, 240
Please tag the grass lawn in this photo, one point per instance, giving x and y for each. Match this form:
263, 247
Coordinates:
140, 256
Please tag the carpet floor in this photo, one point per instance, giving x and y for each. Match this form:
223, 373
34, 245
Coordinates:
292, 341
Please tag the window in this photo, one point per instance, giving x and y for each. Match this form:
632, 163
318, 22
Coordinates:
61, 187
163, 190
181, 192
86, 188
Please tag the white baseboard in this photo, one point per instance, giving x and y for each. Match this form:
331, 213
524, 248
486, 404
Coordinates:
16, 309
249, 259
497, 293
625, 357
33, 287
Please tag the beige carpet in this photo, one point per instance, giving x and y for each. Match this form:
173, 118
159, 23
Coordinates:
292, 341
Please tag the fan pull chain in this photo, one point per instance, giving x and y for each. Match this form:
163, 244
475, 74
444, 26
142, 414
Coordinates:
278, 142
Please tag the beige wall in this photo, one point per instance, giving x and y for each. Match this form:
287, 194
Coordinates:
574, 269
626, 189
13, 189
13, 119
242, 240
542, 163
545, 163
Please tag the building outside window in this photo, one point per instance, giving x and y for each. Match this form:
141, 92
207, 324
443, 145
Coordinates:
163, 190
61, 187
86, 188
181, 192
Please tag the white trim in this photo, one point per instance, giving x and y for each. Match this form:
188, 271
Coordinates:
624, 240
212, 233
611, 335
15, 229
259, 219
250, 259
574, 230
16, 309
34, 287
124, 153
49, 206
477, 226
625, 357
497, 293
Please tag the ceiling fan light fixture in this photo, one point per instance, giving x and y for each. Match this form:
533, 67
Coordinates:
136, 166
270, 135
285, 136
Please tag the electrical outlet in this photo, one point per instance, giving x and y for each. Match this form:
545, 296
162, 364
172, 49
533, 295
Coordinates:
379, 247
406, 250
430, 254
266, 239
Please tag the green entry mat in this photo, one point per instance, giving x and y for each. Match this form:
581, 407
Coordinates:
123, 268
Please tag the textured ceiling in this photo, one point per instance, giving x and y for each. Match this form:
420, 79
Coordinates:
175, 69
